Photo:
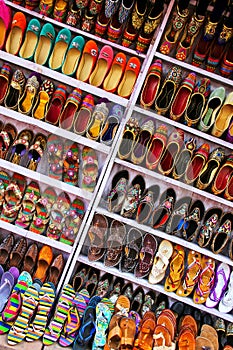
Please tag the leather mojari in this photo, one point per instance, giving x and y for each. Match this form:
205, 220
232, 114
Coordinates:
118, 192
97, 235
133, 196
209, 170
183, 158
210, 222
140, 147
223, 233
146, 204
168, 90
156, 147
146, 256
163, 211
180, 211
151, 84
114, 243
228, 194
168, 159
192, 221
130, 253
197, 163
223, 176
174, 30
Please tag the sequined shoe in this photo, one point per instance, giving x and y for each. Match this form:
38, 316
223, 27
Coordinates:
210, 222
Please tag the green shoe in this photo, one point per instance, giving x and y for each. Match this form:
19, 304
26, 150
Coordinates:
60, 48
45, 44
31, 39
73, 56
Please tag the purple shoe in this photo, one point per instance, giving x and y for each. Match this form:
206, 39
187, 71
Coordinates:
229, 136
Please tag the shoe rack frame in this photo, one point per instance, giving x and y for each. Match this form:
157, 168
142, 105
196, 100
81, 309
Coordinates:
94, 199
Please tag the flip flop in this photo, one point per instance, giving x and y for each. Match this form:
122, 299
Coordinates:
72, 222
57, 216
87, 329
103, 317
55, 156
53, 331
19, 330
27, 210
4, 182
7, 283
36, 151
71, 164
42, 211
205, 280
176, 272
46, 299
13, 196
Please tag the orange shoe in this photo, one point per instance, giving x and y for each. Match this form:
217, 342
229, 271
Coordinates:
88, 60
44, 260
114, 76
129, 79
15, 37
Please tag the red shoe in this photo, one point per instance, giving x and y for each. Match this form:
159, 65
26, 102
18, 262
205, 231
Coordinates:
223, 176
56, 105
83, 116
88, 61
151, 85
5, 75
67, 116
197, 163
156, 147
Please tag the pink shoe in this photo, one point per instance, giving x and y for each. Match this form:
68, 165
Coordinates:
5, 21
102, 67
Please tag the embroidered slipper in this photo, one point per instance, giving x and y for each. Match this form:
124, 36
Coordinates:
53, 332
7, 137
56, 105
57, 216
15, 90
5, 75
4, 182
89, 168
19, 329
20, 146
71, 164
83, 117
42, 211
46, 299
41, 105
36, 151
70, 109
55, 156
72, 222
44, 260
13, 196
28, 97
27, 210
7, 283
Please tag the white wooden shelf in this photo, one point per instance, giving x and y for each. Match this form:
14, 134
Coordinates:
64, 79
174, 182
76, 31
54, 129
62, 186
195, 132
36, 237
190, 67
163, 235
156, 287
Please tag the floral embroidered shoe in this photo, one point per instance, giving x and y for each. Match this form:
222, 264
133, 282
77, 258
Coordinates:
60, 10
28, 98
180, 211
56, 105
156, 147
20, 146
111, 7
72, 222
118, 191
70, 109
129, 35
163, 211
101, 24
15, 90
151, 85
73, 16
129, 136
114, 29
183, 158
28, 48
168, 90
46, 7
36, 151
90, 169
140, 147
55, 156
133, 196
192, 221
95, 7
71, 164
88, 21
5, 75
40, 108
147, 203
124, 10
111, 125
197, 163
183, 94
174, 30
223, 233
197, 102
139, 14
211, 167
7, 137
190, 33
210, 222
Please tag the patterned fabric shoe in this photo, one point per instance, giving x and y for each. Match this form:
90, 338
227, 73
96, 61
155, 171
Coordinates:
89, 169
60, 10
74, 16
46, 7
40, 108
15, 90
5, 75
111, 7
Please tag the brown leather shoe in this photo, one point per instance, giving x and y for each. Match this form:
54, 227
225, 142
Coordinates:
18, 252
5, 248
30, 258
55, 269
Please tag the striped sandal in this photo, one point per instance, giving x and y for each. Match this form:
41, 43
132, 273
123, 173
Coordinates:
46, 299
19, 330
27, 210
4, 182
53, 331
82, 298
42, 211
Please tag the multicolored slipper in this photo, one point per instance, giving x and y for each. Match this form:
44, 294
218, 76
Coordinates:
27, 210
42, 211
82, 298
7, 283
103, 317
71, 164
55, 156
46, 299
53, 332
4, 182
13, 196
72, 222
57, 215
19, 329
89, 169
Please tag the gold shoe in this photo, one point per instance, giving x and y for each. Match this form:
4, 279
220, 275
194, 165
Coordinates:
224, 117
138, 14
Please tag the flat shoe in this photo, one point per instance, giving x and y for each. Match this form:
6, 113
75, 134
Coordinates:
16, 34
102, 66
128, 81
73, 56
88, 61
5, 75
28, 48
45, 44
151, 85
60, 48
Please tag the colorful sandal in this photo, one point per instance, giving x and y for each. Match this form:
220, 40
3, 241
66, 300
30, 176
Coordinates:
4, 183
103, 317
20, 146
46, 299
173, 280
72, 222
55, 156
53, 331
42, 211
71, 164
13, 196
57, 216
205, 281
89, 169
36, 151
27, 210
7, 137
